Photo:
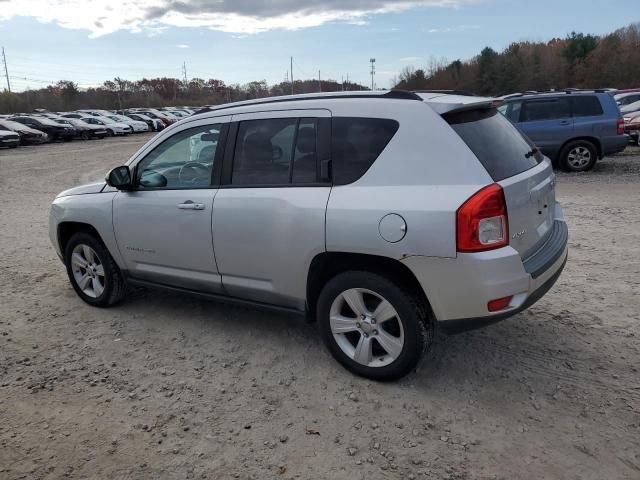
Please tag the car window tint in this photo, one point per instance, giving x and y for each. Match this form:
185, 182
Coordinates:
305, 158
586, 106
184, 160
548, 109
263, 151
495, 141
356, 143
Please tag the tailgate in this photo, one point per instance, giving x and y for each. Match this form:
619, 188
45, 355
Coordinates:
531, 200
513, 162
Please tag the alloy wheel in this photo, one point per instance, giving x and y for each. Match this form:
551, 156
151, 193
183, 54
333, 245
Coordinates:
88, 271
366, 327
579, 157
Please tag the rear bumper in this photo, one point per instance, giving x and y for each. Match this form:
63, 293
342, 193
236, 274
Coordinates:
459, 289
461, 325
611, 145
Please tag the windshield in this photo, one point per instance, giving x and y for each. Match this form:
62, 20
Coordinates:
498, 144
77, 122
46, 121
12, 125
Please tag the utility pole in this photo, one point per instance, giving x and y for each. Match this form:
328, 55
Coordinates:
342, 81
319, 83
6, 71
291, 75
373, 71
347, 81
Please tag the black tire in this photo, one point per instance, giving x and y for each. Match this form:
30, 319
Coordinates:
569, 165
85, 136
411, 313
114, 283
110, 133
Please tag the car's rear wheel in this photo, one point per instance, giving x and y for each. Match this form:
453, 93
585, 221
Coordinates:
110, 133
372, 326
92, 271
578, 156
84, 135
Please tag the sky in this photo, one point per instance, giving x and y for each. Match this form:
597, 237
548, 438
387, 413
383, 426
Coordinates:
238, 41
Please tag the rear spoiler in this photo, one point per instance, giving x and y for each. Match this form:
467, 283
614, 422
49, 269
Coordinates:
447, 108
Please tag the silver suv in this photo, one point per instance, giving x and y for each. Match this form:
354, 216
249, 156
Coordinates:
378, 214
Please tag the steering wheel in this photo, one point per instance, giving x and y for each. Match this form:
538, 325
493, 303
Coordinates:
198, 171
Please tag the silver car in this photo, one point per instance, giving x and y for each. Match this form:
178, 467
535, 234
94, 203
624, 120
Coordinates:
380, 215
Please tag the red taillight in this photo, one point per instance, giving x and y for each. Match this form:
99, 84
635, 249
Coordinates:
499, 304
620, 126
482, 222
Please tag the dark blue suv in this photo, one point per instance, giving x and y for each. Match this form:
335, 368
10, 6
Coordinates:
573, 128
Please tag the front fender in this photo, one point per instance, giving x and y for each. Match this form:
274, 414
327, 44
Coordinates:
95, 210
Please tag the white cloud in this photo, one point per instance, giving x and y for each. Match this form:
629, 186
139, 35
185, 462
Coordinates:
101, 17
458, 28
182, 45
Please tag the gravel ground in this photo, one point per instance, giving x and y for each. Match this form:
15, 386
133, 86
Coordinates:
167, 386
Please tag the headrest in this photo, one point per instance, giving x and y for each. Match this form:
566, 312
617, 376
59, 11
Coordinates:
306, 140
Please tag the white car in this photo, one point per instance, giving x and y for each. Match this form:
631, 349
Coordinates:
624, 99
632, 107
9, 139
113, 128
136, 125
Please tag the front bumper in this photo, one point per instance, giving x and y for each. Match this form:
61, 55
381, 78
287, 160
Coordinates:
10, 142
459, 289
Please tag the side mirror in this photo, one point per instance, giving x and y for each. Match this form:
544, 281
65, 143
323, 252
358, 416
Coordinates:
120, 178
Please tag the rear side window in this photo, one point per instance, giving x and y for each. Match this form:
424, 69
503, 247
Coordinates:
498, 144
547, 109
586, 106
356, 143
276, 151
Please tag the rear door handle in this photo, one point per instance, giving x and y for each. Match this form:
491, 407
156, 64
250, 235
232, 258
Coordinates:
189, 205
564, 122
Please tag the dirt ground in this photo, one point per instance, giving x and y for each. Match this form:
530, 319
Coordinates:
166, 386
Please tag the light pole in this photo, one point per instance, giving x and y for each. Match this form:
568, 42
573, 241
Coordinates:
373, 72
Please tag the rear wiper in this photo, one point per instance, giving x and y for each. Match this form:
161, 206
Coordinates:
534, 151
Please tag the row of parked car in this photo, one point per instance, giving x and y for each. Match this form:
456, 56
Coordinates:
575, 128
43, 126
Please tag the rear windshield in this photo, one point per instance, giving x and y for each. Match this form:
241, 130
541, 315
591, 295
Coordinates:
500, 147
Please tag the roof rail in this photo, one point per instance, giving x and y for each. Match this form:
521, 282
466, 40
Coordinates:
567, 91
391, 94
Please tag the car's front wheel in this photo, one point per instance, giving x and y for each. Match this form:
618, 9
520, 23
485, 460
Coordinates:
372, 326
92, 271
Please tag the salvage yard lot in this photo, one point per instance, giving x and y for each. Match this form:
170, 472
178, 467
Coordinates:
167, 386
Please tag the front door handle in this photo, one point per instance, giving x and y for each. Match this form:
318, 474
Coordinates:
189, 205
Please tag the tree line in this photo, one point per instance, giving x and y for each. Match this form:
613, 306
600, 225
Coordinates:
577, 61
155, 92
